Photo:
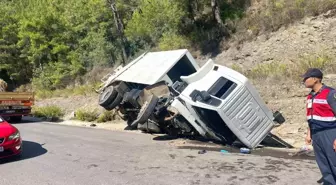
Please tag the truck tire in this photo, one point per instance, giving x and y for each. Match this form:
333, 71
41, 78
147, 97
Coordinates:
121, 89
115, 102
145, 111
107, 96
15, 119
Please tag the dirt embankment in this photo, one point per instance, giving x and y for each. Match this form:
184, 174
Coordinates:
310, 36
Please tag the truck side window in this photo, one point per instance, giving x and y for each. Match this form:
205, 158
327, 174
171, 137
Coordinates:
222, 88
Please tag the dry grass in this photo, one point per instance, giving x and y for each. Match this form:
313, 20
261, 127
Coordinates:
87, 115
272, 14
108, 116
278, 70
93, 115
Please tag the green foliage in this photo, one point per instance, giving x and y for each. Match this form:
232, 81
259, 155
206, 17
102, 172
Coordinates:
232, 10
87, 115
48, 112
170, 41
153, 19
10, 55
53, 43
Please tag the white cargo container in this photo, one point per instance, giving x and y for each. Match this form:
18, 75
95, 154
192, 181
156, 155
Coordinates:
152, 67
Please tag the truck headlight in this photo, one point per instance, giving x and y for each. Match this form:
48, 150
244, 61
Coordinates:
14, 136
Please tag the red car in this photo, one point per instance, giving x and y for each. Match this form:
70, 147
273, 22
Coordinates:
10, 140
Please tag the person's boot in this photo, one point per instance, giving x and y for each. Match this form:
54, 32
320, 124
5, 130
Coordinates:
320, 181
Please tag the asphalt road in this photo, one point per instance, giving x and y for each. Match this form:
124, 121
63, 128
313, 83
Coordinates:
65, 155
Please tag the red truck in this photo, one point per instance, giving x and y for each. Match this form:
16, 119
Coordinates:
15, 105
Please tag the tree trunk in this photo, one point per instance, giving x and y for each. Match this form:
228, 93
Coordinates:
216, 12
216, 15
191, 10
120, 28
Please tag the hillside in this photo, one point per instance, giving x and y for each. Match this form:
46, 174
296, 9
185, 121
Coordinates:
303, 40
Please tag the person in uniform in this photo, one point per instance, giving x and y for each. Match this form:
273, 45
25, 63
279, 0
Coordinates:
321, 111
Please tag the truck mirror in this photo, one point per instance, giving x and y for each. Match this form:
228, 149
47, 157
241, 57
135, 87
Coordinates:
278, 117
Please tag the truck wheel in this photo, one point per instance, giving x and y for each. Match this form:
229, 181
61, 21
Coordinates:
15, 119
107, 96
145, 111
121, 90
115, 102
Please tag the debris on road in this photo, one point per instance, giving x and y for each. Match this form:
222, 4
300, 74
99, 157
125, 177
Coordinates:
304, 150
245, 151
202, 152
224, 151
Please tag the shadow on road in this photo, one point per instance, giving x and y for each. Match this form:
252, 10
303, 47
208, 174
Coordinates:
30, 150
165, 138
272, 146
270, 141
30, 119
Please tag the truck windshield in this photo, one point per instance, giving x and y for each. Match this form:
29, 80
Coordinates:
222, 88
213, 120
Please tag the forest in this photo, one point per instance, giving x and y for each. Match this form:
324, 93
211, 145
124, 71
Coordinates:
52, 44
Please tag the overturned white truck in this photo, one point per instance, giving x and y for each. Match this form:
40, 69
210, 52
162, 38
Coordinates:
168, 92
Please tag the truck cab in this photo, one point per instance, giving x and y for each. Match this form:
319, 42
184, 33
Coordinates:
223, 105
